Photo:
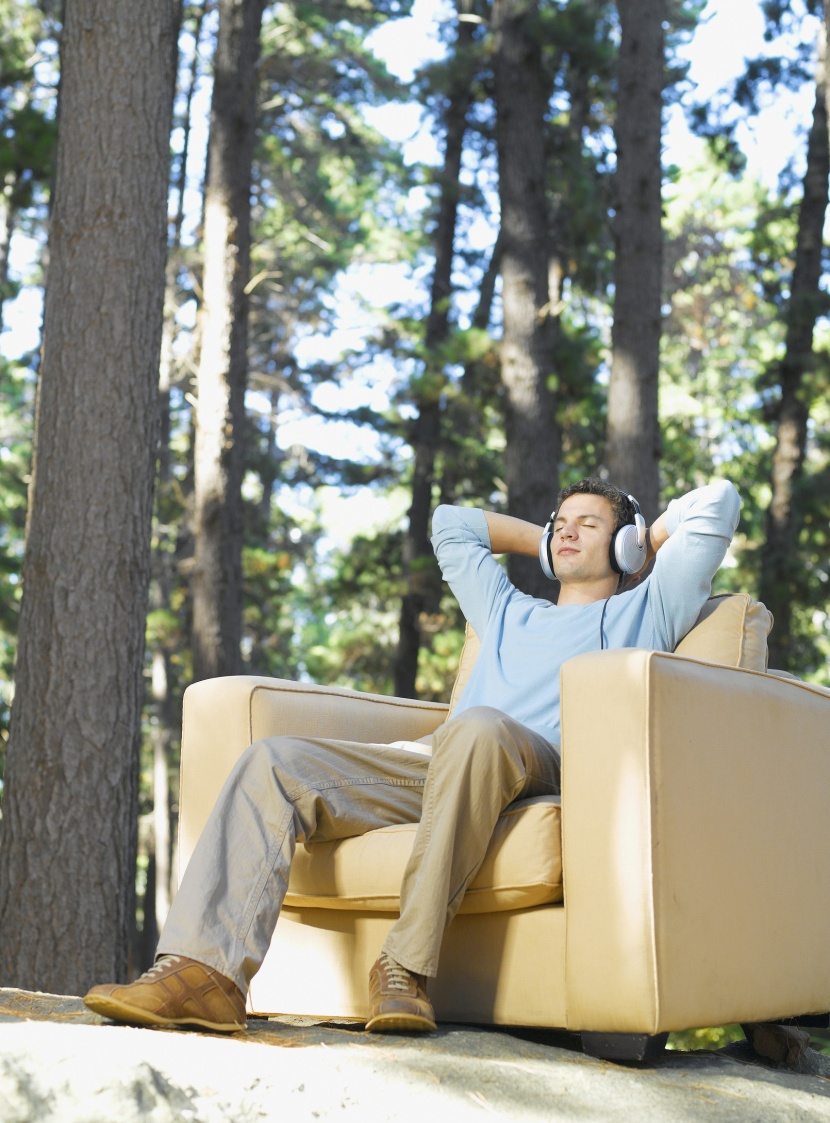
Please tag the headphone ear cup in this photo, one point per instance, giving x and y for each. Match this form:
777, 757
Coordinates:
545, 559
628, 556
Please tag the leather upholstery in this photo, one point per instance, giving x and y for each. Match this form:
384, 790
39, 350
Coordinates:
523, 866
695, 862
694, 847
731, 629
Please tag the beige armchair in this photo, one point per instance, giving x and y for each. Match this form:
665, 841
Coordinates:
683, 881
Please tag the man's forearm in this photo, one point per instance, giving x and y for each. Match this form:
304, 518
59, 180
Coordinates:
657, 535
512, 536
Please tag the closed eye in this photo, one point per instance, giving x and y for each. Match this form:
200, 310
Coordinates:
582, 522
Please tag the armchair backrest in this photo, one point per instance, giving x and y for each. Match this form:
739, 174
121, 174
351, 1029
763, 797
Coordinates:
731, 629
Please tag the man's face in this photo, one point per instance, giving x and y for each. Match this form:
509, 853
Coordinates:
582, 533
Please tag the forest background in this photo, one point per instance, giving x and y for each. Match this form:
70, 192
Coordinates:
356, 327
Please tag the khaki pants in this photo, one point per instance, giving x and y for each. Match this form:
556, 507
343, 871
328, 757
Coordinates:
286, 790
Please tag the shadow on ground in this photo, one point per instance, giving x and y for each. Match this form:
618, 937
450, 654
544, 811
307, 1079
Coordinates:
60, 1062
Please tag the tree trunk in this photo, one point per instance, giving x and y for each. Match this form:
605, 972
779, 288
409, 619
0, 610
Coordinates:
422, 578
532, 453
222, 376
783, 518
163, 717
633, 424
68, 834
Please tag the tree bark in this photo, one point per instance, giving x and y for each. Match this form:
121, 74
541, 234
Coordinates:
222, 375
633, 424
68, 833
783, 517
532, 453
423, 582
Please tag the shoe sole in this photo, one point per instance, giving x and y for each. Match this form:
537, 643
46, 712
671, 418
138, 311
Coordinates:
400, 1023
124, 1012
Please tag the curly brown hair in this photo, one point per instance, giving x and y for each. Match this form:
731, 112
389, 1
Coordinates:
592, 485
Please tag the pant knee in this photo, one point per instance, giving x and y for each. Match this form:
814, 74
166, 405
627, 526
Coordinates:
482, 732
264, 757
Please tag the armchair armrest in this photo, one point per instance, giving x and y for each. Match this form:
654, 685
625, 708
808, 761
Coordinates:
223, 716
696, 854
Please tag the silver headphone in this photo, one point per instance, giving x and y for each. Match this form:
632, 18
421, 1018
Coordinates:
627, 552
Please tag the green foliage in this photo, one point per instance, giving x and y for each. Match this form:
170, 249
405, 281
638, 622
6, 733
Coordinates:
277, 603
27, 138
351, 631
351, 642
27, 105
439, 657
581, 401
718, 1037
580, 53
27, 150
16, 420
729, 256
720, 333
715, 1037
820, 1041
328, 189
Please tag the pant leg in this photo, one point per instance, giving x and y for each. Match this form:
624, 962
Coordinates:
283, 790
481, 761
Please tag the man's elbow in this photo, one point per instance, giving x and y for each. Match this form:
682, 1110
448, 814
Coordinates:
728, 500
442, 517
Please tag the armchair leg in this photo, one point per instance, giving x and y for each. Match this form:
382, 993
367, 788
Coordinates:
624, 1046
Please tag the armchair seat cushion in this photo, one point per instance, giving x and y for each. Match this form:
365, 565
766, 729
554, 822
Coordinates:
522, 868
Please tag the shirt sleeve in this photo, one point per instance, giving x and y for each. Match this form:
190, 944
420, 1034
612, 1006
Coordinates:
461, 542
700, 525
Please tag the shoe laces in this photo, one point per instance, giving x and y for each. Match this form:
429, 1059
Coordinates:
398, 977
162, 965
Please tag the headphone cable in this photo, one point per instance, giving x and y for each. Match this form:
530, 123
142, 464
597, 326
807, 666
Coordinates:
601, 623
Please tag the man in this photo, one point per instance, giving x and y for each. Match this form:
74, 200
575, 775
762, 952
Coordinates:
500, 745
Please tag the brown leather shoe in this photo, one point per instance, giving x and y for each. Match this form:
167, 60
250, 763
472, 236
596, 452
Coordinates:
176, 991
398, 999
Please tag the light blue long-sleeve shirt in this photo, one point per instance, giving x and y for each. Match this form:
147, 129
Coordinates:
525, 641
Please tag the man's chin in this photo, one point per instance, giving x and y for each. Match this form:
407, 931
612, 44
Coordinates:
565, 565
577, 574
566, 573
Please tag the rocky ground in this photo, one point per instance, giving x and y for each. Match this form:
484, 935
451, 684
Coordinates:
61, 1064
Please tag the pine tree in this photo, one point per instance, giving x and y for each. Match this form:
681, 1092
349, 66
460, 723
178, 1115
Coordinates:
531, 430
223, 366
67, 838
633, 430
